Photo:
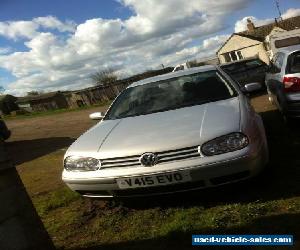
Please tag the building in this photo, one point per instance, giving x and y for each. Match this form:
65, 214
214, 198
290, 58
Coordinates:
253, 42
8, 104
97, 94
92, 95
43, 102
84, 97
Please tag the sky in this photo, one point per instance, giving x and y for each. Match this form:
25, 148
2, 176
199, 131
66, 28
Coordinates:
57, 45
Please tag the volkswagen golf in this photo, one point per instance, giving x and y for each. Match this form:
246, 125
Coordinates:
181, 131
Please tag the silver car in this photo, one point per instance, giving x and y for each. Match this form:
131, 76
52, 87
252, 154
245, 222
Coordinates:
180, 131
283, 81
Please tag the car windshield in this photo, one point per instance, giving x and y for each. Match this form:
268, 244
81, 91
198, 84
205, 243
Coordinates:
174, 93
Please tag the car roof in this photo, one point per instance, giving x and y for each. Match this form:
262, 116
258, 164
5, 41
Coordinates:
240, 61
290, 49
189, 71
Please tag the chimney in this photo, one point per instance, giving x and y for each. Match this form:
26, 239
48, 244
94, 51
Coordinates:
250, 25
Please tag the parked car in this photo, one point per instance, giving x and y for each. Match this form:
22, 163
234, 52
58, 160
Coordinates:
283, 81
180, 131
247, 71
182, 66
4, 131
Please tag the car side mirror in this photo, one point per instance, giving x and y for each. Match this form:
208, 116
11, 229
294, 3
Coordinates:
251, 87
96, 116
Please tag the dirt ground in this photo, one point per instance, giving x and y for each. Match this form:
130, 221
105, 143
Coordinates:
73, 124
69, 124
38, 136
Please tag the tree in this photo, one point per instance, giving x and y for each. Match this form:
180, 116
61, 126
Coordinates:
104, 77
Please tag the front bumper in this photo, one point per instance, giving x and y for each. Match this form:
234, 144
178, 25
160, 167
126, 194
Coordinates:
202, 176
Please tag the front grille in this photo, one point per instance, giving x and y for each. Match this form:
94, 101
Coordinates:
163, 157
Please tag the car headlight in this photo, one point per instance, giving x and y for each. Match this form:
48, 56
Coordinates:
75, 163
225, 144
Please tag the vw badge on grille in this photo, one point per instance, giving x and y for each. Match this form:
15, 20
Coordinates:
148, 159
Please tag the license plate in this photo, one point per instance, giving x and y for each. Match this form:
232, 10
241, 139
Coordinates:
154, 180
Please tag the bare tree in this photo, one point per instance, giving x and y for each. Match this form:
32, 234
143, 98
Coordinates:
105, 78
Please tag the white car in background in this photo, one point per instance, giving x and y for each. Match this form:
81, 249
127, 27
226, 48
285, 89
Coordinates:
182, 66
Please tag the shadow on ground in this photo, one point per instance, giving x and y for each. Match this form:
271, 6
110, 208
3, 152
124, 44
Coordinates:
20, 224
182, 240
23, 151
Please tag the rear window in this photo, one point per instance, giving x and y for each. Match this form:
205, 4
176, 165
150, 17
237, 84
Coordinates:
294, 63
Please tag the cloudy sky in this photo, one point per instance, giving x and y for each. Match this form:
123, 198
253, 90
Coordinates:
56, 45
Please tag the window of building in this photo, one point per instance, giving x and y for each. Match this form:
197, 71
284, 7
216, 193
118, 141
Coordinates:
239, 55
233, 56
227, 57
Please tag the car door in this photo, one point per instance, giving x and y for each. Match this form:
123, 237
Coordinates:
274, 78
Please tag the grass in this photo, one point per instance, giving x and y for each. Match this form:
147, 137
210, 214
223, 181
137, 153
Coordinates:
267, 204
74, 222
81, 226
55, 111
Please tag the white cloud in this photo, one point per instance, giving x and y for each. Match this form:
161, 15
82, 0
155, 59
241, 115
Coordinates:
53, 23
5, 50
291, 13
29, 29
15, 29
241, 25
157, 32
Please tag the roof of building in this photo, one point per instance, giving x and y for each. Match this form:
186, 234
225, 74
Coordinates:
37, 97
5, 97
290, 49
260, 33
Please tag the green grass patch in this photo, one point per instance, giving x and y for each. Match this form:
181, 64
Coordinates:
74, 222
61, 197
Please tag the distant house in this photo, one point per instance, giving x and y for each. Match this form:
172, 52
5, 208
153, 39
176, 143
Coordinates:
8, 104
253, 41
89, 96
43, 102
